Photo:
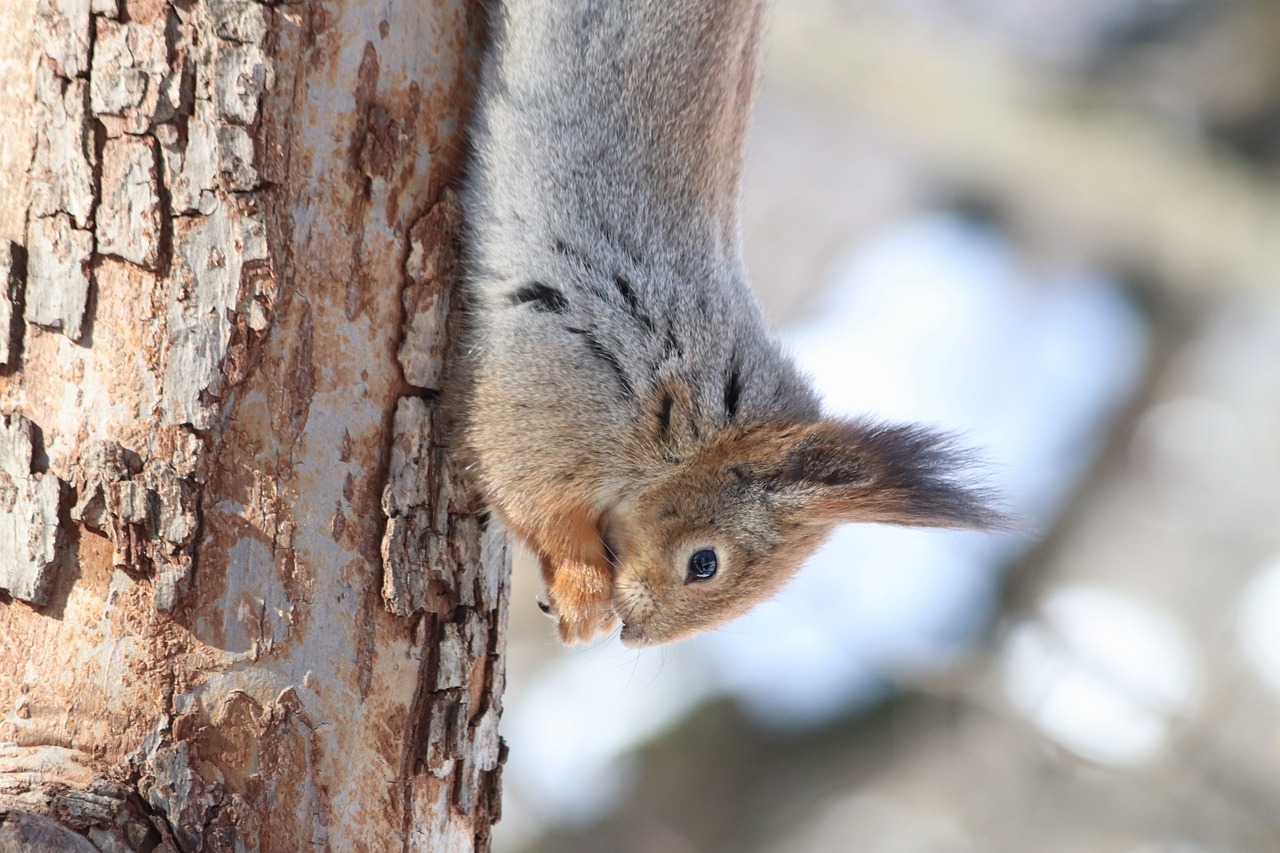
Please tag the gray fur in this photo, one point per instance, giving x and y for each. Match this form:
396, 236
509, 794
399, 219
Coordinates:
570, 190
628, 407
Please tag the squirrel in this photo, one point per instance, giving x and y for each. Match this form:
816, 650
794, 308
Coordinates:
630, 417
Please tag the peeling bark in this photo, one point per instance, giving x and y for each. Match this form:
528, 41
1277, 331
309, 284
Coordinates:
29, 524
248, 602
128, 217
13, 279
58, 269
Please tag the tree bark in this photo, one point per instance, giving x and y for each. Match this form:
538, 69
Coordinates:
248, 602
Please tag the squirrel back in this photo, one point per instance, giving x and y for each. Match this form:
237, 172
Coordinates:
630, 411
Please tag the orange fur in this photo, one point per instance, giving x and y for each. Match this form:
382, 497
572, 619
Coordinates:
563, 533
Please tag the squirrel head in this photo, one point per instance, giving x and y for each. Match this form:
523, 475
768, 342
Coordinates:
727, 527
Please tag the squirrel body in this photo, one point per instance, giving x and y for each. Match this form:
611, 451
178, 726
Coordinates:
629, 411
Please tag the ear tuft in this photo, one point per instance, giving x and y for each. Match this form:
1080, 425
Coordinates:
817, 460
890, 473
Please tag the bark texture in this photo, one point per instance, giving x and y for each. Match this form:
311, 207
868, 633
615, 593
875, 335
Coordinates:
246, 602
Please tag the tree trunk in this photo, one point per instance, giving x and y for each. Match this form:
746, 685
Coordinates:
249, 604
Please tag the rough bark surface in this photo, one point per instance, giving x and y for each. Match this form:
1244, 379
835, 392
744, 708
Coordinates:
246, 601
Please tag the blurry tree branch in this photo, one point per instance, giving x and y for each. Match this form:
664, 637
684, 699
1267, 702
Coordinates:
1105, 183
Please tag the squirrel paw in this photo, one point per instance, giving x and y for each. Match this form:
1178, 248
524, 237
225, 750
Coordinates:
584, 624
582, 604
582, 629
580, 598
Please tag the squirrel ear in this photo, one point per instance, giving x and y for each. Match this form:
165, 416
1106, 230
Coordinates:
848, 470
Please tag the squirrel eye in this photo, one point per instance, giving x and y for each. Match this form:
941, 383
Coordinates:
702, 566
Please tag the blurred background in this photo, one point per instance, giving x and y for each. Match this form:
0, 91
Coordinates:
1052, 226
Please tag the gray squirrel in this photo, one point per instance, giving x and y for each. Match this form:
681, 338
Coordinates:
630, 416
